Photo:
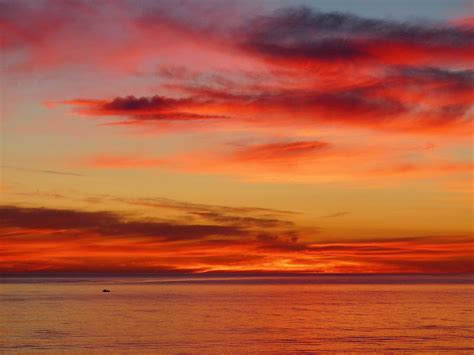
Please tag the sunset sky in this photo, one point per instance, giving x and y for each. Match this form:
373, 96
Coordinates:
249, 136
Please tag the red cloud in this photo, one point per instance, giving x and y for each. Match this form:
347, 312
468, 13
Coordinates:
403, 99
280, 151
71, 240
298, 161
374, 107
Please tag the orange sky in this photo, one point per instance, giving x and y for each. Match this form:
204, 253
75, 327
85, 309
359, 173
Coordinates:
253, 136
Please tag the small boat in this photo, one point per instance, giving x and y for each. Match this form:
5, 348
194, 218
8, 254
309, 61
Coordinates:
105, 290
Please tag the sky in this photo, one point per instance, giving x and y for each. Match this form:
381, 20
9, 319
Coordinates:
244, 136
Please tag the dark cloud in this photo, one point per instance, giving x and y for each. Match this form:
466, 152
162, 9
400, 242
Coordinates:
144, 108
304, 33
327, 50
137, 104
244, 217
107, 224
451, 79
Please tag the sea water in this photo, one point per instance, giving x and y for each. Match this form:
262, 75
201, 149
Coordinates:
237, 314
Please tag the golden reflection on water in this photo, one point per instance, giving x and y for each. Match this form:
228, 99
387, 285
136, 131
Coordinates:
257, 317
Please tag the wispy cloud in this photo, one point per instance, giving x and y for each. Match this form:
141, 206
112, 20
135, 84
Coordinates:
296, 161
336, 214
43, 171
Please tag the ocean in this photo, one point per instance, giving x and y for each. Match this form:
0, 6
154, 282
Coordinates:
334, 313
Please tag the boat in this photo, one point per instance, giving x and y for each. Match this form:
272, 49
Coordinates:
105, 290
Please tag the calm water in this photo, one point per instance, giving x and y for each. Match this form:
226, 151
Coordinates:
337, 313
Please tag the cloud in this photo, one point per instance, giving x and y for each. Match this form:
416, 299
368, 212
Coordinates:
243, 220
159, 202
243, 217
298, 161
78, 240
418, 100
280, 151
144, 108
336, 214
130, 34
106, 223
47, 239
309, 36
239, 35
437, 95
122, 162
189, 209
309, 69
54, 172
35, 34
